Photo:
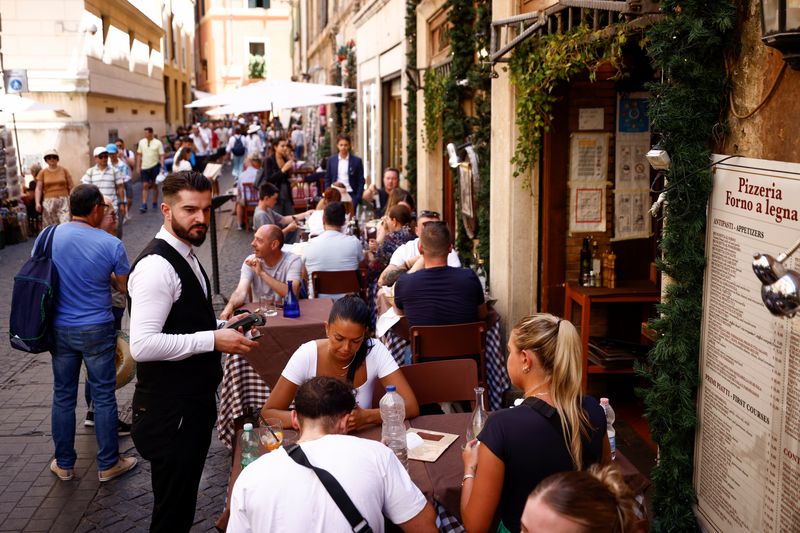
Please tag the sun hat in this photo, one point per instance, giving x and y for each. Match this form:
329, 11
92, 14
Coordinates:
99, 150
253, 128
51, 151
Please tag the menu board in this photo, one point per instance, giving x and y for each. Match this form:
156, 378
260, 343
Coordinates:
747, 450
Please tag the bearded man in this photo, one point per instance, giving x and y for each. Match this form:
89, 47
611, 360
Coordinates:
176, 343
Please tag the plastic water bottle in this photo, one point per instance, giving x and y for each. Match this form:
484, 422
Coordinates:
249, 445
610, 417
393, 430
291, 307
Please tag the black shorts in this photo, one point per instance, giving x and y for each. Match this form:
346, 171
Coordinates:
149, 175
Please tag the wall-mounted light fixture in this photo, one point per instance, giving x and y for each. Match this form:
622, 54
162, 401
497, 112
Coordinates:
780, 28
781, 287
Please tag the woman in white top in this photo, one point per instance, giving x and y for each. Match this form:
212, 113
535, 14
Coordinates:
348, 355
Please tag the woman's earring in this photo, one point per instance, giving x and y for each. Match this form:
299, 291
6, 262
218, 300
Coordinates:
526, 370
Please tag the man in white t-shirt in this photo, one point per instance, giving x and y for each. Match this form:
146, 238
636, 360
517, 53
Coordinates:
407, 256
332, 250
266, 271
275, 493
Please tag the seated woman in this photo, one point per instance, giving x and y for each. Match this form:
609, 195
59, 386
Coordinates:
555, 429
345, 354
591, 501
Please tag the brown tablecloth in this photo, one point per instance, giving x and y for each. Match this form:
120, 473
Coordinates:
247, 379
440, 480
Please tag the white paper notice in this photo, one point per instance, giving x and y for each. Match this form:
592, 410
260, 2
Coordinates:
747, 450
631, 169
588, 157
591, 118
587, 203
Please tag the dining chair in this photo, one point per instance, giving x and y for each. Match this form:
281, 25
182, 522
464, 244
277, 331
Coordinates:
451, 380
250, 202
454, 341
345, 281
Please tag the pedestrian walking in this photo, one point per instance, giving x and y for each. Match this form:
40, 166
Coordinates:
53, 185
237, 150
176, 343
89, 261
122, 168
129, 158
149, 162
107, 179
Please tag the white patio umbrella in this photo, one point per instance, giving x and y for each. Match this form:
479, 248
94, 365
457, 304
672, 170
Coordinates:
255, 105
269, 90
19, 105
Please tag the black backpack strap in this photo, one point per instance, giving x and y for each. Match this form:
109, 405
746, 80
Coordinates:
44, 248
550, 414
334, 488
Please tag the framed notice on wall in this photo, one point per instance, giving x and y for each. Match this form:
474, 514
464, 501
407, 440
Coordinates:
631, 169
747, 449
588, 164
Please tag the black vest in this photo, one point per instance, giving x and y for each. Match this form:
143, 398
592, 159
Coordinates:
199, 374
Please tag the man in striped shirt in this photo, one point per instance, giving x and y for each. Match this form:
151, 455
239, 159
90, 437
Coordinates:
110, 182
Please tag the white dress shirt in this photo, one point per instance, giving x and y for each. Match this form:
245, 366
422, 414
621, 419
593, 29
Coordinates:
343, 172
154, 286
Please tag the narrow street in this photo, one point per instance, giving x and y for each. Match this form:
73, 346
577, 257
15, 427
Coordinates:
31, 497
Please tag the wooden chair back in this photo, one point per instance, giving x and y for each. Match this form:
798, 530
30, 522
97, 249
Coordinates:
455, 341
250, 200
338, 282
452, 380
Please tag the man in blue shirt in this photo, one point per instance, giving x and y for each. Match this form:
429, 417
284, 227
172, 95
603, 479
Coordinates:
88, 261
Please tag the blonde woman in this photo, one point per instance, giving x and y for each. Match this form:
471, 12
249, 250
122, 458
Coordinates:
555, 429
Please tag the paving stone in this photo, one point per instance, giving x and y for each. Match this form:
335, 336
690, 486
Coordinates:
14, 524
38, 524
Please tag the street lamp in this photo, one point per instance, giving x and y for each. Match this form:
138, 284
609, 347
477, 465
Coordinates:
780, 28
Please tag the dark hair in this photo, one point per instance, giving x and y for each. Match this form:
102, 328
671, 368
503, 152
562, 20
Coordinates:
185, 180
334, 214
401, 213
324, 398
598, 498
119, 141
267, 190
323, 163
148, 129
435, 239
392, 169
84, 198
352, 308
343, 137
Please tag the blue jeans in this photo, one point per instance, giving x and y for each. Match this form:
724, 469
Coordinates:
238, 163
94, 345
87, 388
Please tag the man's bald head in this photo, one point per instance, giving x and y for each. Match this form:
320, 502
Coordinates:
271, 232
267, 241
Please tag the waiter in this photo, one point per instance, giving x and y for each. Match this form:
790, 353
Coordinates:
176, 343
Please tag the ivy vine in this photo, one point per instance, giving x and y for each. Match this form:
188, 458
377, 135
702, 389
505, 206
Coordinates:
537, 67
345, 76
434, 107
411, 97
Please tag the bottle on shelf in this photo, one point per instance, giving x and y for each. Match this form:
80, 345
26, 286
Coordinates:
596, 265
610, 417
291, 307
586, 263
249, 445
482, 277
393, 429
479, 416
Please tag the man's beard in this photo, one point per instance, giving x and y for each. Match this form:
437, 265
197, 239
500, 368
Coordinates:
184, 233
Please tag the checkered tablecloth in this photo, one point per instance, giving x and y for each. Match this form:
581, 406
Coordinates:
243, 391
445, 521
496, 376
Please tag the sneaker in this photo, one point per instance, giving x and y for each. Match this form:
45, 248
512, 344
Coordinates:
62, 473
89, 422
123, 429
241, 227
123, 465
155, 205
143, 209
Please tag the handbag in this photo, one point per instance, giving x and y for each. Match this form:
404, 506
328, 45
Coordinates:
334, 488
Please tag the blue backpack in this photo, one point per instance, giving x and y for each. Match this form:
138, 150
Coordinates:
33, 298
238, 148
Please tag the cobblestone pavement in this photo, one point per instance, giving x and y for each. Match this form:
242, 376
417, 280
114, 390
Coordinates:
31, 497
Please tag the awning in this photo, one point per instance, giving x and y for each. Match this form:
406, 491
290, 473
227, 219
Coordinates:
270, 91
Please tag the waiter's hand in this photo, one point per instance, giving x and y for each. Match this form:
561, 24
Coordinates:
228, 340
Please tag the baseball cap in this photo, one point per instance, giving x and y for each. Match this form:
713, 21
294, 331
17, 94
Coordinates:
111, 148
51, 151
99, 150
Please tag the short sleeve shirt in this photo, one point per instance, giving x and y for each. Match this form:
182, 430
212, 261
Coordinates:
439, 296
303, 366
150, 151
289, 267
532, 449
85, 258
410, 250
333, 251
106, 180
262, 217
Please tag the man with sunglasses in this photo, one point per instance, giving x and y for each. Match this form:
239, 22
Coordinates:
407, 258
110, 182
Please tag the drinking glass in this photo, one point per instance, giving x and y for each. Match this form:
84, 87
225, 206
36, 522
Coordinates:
271, 434
271, 308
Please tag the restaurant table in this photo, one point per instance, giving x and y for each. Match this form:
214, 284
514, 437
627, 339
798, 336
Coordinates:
440, 481
497, 380
247, 379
